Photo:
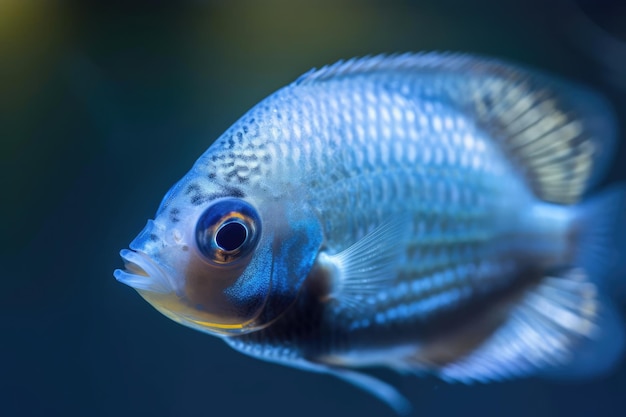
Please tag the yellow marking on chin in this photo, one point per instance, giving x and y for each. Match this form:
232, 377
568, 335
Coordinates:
175, 309
211, 325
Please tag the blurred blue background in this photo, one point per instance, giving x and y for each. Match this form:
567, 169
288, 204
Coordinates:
104, 105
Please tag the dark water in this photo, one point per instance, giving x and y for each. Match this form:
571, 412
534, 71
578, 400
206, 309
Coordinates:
103, 107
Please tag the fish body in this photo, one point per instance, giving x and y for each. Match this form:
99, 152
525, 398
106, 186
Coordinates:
423, 212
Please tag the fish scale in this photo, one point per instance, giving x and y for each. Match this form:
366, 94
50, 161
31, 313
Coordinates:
375, 182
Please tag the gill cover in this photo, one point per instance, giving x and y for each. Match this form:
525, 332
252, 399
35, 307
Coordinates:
244, 271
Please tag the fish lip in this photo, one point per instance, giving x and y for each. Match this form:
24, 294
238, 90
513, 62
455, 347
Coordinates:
142, 273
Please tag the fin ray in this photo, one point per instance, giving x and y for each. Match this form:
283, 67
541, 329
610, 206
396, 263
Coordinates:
367, 266
542, 334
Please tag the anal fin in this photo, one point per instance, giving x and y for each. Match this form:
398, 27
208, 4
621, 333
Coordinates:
548, 332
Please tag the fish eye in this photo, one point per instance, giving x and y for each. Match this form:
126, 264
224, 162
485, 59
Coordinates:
227, 230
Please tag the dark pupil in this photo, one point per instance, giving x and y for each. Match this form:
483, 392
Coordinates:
231, 236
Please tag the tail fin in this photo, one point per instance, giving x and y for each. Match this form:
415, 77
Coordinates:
601, 239
601, 242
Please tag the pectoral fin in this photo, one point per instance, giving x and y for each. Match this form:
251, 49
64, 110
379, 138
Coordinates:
369, 265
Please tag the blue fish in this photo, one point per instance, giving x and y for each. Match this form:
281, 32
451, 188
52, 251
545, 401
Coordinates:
422, 212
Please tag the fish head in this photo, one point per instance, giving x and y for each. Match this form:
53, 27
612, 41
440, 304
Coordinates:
221, 259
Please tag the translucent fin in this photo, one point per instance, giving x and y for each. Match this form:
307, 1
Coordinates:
380, 389
559, 135
545, 332
600, 229
367, 266
598, 355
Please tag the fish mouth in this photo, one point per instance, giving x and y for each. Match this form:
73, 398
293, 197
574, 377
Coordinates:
142, 273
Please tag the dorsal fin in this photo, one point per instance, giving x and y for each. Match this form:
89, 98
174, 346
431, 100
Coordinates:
559, 135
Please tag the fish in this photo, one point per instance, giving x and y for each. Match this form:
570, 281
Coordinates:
430, 213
